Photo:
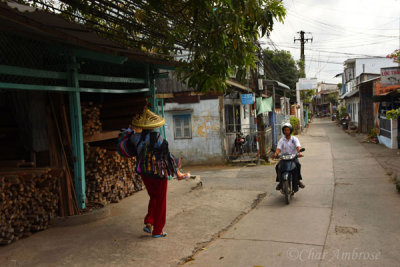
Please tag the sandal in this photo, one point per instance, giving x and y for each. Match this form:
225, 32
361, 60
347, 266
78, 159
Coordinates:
161, 235
147, 228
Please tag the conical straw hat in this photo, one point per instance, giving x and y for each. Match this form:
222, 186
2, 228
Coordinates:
148, 120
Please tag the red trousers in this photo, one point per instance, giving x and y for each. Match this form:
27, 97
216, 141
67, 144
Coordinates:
157, 210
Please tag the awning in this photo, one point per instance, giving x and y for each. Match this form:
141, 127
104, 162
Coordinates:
344, 96
386, 97
30, 21
239, 86
278, 85
368, 81
350, 94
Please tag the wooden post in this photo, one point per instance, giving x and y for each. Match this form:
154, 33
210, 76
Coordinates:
274, 128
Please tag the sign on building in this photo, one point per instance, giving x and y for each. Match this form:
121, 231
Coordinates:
390, 76
246, 99
307, 84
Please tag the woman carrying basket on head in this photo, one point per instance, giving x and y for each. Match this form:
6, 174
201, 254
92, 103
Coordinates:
154, 164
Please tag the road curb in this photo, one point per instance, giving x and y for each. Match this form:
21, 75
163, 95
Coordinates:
86, 218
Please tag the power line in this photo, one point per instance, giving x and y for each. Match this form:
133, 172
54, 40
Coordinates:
335, 52
348, 44
333, 27
341, 11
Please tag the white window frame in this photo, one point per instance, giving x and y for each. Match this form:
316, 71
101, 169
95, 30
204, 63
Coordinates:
181, 126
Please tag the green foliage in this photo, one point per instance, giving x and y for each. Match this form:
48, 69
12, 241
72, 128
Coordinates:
393, 114
295, 124
342, 112
211, 39
339, 86
395, 55
279, 65
306, 96
372, 133
333, 98
301, 65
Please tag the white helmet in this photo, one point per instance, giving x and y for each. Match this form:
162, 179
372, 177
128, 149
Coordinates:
287, 124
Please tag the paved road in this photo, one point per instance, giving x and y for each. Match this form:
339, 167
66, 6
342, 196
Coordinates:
348, 215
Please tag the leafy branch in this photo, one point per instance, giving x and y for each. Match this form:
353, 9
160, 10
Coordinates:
212, 39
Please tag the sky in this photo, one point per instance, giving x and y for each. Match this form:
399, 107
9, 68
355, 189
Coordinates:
340, 30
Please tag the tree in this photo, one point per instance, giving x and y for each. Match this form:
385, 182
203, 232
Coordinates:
332, 98
279, 65
395, 55
306, 96
212, 39
301, 64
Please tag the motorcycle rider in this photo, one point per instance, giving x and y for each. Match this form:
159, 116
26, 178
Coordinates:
291, 145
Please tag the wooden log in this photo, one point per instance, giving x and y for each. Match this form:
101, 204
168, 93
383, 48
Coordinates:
29, 201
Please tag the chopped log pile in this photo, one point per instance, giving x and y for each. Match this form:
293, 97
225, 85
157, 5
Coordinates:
28, 202
109, 177
31, 197
91, 119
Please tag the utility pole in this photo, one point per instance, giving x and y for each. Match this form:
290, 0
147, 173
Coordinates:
259, 119
302, 72
302, 56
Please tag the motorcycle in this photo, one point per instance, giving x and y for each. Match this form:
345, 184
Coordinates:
287, 175
240, 142
345, 123
334, 117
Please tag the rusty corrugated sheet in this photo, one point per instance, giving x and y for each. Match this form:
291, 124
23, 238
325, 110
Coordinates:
28, 20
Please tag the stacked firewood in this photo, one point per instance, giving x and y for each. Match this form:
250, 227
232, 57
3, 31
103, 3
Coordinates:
109, 177
28, 203
91, 123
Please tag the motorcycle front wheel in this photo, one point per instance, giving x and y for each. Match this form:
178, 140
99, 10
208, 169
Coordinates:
286, 191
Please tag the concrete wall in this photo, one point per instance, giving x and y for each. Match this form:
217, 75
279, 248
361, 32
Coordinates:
354, 102
205, 146
372, 65
366, 65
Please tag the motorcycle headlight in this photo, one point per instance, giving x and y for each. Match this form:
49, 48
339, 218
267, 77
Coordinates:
288, 157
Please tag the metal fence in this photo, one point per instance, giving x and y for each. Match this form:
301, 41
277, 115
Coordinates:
250, 134
250, 146
385, 127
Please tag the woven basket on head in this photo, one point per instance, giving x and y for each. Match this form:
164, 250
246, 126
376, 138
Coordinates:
148, 120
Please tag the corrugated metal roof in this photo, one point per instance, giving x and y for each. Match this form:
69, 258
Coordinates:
276, 83
350, 94
367, 81
173, 85
28, 20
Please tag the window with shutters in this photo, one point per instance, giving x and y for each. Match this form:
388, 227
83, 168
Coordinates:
182, 126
